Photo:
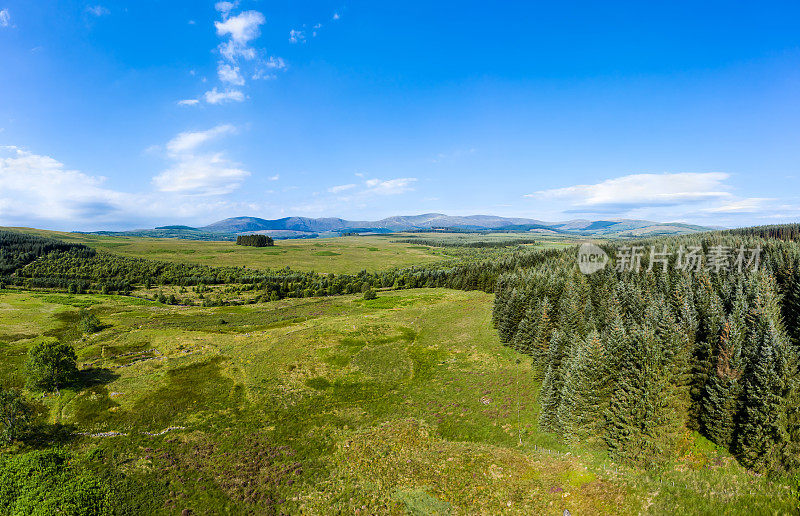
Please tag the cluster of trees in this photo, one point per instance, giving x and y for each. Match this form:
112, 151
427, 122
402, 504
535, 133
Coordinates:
19, 249
255, 240
633, 360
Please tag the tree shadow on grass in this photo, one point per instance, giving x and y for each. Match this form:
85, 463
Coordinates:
44, 435
94, 376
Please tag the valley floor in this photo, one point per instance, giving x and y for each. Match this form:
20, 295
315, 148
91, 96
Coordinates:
403, 404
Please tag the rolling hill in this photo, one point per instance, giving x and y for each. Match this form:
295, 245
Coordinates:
304, 227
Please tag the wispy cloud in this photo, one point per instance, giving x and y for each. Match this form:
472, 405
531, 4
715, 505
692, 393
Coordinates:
225, 7
190, 140
702, 197
642, 190
341, 188
230, 74
390, 186
188, 102
97, 10
453, 155
198, 172
749, 205
275, 63
215, 96
5, 18
240, 30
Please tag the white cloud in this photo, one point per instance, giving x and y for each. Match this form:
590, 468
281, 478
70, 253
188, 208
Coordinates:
218, 97
703, 198
209, 174
275, 177
336, 16
230, 74
199, 173
97, 10
37, 188
641, 190
390, 186
275, 63
297, 36
272, 63
231, 51
749, 205
5, 18
341, 188
190, 140
239, 59
225, 7
242, 28
40, 191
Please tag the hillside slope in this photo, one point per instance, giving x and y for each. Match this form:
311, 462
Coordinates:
404, 404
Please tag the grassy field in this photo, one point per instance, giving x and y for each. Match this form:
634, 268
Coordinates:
406, 404
341, 255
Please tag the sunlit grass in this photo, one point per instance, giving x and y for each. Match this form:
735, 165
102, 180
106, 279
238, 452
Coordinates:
404, 404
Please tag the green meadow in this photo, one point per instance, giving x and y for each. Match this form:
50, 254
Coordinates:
338, 255
406, 404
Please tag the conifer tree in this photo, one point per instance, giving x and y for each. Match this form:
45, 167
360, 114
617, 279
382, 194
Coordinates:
585, 394
641, 420
792, 308
762, 433
553, 383
544, 332
721, 401
711, 318
526, 333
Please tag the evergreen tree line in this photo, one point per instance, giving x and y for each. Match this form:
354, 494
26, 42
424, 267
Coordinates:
635, 360
777, 231
19, 249
254, 240
441, 242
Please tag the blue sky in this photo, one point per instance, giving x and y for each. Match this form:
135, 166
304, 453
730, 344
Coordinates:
119, 115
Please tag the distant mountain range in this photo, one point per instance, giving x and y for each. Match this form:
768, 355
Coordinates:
303, 227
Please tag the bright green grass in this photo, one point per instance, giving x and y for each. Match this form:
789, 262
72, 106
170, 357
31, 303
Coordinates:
342, 255
403, 404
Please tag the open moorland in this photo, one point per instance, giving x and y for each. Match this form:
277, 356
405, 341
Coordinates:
404, 404
339, 255
493, 379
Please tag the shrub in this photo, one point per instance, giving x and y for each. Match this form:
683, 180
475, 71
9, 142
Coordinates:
15, 414
89, 323
45, 482
370, 294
